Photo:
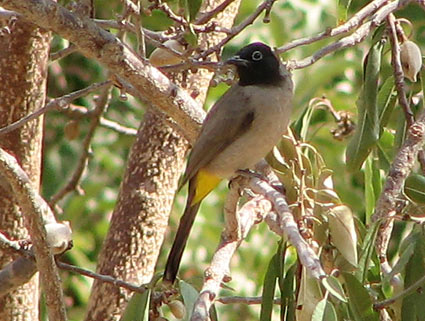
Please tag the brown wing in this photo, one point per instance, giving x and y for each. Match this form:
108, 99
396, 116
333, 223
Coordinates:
230, 117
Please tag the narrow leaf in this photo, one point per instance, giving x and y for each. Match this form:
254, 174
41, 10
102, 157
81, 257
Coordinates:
367, 131
194, 6
367, 250
343, 232
334, 287
324, 311
269, 286
359, 299
137, 307
190, 295
288, 294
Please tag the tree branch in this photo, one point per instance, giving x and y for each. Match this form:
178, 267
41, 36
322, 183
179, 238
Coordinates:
82, 162
117, 57
35, 211
352, 23
57, 103
398, 71
231, 238
356, 37
400, 169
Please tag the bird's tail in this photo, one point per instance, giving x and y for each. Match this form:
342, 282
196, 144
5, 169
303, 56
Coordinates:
199, 186
186, 222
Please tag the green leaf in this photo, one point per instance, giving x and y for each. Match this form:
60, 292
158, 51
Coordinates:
413, 304
213, 313
368, 189
414, 188
406, 254
367, 130
359, 299
193, 6
386, 101
269, 286
373, 185
367, 250
191, 37
324, 311
190, 295
343, 233
343, 6
137, 307
287, 294
334, 287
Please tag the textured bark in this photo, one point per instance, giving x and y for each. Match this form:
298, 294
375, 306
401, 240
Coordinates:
140, 218
101, 45
23, 69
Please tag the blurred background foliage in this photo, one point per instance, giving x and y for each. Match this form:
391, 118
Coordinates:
337, 77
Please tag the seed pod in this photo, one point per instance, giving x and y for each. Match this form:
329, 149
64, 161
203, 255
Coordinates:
72, 129
161, 57
177, 308
411, 59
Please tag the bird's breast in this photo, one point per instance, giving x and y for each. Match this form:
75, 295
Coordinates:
271, 106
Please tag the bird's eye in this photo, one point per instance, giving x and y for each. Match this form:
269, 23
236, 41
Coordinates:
257, 55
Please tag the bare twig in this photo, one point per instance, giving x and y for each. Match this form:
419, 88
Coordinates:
82, 162
192, 63
207, 16
356, 37
398, 71
127, 25
102, 277
57, 103
25, 267
170, 13
63, 53
35, 213
237, 29
351, 24
385, 208
407, 291
76, 112
400, 169
244, 300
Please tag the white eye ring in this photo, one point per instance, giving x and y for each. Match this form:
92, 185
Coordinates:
257, 55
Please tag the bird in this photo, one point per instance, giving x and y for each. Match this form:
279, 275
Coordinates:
239, 130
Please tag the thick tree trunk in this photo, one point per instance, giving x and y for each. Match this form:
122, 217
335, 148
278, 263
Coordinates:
23, 69
140, 218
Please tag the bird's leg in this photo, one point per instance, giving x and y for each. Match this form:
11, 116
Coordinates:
249, 173
276, 184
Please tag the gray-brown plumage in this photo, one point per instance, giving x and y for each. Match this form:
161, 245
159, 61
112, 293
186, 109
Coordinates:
241, 128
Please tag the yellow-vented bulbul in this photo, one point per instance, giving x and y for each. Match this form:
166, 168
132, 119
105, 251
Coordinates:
240, 129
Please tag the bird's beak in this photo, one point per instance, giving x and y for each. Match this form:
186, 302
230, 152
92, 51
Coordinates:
237, 61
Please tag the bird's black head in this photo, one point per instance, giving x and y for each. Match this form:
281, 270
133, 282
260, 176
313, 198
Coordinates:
256, 65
